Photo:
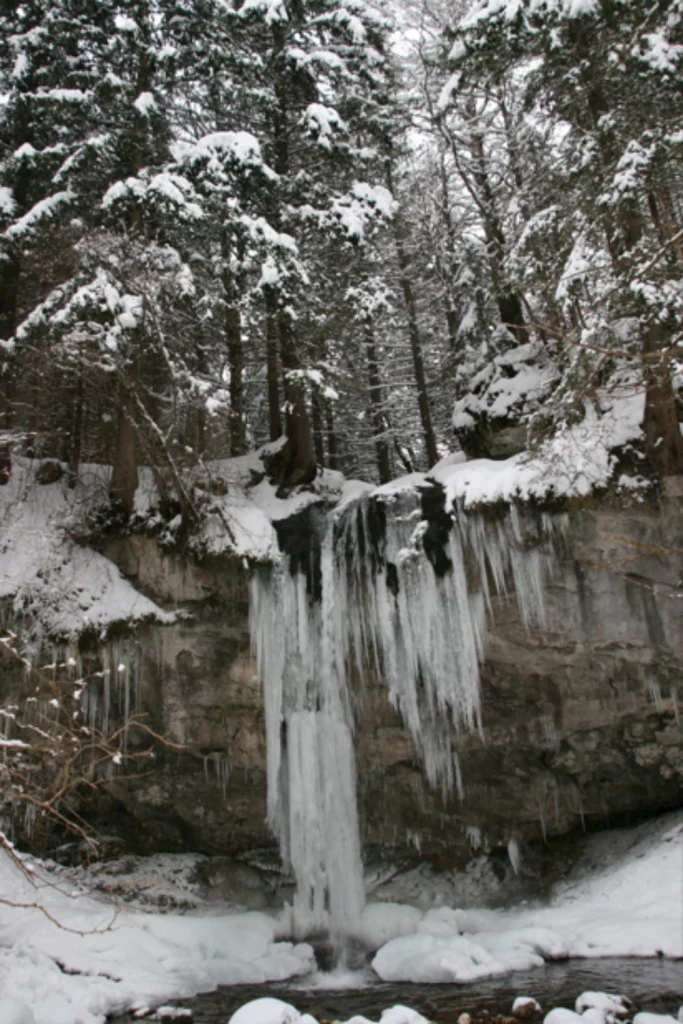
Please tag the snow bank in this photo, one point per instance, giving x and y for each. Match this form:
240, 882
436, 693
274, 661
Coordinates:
13, 1012
240, 522
623, 899
68, 587
574, 462
89, 958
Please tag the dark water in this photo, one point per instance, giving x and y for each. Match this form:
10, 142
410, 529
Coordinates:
655, 985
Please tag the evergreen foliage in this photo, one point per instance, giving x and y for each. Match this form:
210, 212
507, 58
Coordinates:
223, 222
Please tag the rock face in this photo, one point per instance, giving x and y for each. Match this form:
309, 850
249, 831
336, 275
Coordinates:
580, 720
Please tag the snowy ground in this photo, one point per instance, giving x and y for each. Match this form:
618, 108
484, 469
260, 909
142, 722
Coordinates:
624, 898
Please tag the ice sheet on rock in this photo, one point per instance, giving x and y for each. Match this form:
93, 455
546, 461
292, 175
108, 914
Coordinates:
423, 629
437, 959
381, 922
372, 597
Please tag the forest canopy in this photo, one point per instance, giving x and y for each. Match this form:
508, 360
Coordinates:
376, 232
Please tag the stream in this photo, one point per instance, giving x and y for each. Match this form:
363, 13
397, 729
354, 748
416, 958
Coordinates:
655, 985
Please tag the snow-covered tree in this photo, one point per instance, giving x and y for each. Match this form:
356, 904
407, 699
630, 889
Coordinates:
606, 80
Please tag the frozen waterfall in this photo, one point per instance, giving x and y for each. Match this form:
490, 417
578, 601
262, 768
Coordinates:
392, 585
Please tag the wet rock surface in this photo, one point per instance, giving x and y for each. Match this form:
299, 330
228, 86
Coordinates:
580, 718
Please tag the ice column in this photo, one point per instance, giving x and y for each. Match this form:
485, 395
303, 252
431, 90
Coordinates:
312, 804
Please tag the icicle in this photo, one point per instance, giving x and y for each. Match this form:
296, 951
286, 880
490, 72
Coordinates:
30, 816
324, 837
414, 838
541, 817
578, 799
92, 707
474, 838
311, 762
514, 855
222, 770
674, 703
106, 699
550, 737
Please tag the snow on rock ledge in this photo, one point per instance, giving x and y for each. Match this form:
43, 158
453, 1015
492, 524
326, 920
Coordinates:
60, 587
66, 588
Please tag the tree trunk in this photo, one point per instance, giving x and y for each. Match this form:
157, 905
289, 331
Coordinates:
418, 368
507, 299
317, 418
9, 287
512, 315
201, 431
378, 419
450, 262
298, 464
663, 439
452, 326
272, 367
414, 335
332, 457
233, 336
76, 433
124, 475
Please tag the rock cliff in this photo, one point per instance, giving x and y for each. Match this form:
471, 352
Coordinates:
580, 720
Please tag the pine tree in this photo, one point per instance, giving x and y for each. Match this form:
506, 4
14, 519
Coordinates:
608, 76
323, 98
50, 125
